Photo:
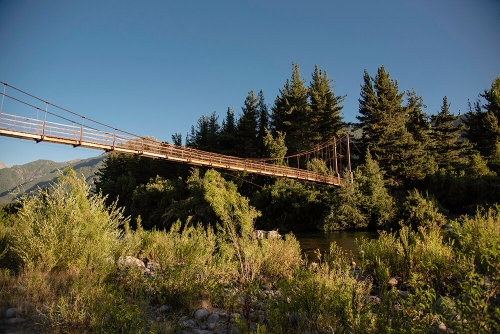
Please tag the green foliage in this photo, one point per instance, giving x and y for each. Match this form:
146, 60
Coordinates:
327, 300
325, 116
245, 141
288, 204
152, 200
363, 202
396, 135
318, 166
448, 146
482, 121
477, 167
346, 209
450, 276
65, 227
5, 230
425, 211
275, 147
408, 253
290, 113
479, 237
237, 220
376, 201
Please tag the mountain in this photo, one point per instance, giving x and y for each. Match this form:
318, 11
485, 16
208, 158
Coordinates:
2, 165
17, 180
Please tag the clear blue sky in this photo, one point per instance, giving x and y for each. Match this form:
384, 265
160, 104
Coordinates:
154, 67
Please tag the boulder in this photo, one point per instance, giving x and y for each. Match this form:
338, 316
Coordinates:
10, 313
130, 261
213, 318
201, 314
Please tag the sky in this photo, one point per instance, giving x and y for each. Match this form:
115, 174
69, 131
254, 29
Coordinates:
153, 68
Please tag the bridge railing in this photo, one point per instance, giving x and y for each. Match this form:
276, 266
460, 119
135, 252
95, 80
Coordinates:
80, 135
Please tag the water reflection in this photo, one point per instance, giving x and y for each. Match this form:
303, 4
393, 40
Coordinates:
311, 241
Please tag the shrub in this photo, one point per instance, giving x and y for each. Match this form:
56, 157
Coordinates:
66, 228
329, 300
479, 237
419, 210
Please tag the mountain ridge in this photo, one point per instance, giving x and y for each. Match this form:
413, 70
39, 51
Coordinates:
21, 179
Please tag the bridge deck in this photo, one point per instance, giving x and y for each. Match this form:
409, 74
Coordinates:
40, 130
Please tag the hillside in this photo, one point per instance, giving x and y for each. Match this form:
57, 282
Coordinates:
26, 178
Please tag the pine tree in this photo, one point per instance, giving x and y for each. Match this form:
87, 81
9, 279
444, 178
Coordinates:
482, 121
290, 113
325, 117
228, 133
247, 128
262, 124
206, 135
447, 146
177, 139
417, 121
384, 121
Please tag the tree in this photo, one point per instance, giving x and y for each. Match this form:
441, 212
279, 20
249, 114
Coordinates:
384, 121
291, 111
228, 133
325, 118
482, 122
447, 145
417, 121
376, 201
275, 147
177, 139
206, 135
262, 124
247, 128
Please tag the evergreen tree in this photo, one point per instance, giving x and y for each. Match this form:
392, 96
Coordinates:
262, 124
447, 145
228, 133
417, 120
325, 118
206, 135
375, 200
247, 128
191, 137
213, 133
482, 122
177, 139
275, 147
384, 121
291, 111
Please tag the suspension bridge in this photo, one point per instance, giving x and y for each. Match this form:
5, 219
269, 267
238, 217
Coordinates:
79, 131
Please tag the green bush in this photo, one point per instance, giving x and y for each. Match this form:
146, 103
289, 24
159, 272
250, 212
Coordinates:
419, 210
66, 228
328, 300
479, 237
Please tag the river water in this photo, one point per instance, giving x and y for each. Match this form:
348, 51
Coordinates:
311, 241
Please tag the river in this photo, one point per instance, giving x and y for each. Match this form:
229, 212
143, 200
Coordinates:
311, 241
